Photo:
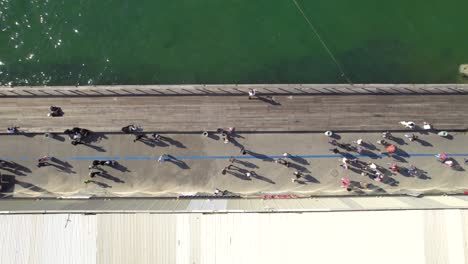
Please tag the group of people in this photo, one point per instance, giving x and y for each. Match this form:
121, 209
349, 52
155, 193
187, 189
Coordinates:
77, 134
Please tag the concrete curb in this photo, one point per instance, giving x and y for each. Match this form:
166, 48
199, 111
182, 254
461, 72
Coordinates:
232, 90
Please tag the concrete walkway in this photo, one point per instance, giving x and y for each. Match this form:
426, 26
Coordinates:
199, 113
196, 163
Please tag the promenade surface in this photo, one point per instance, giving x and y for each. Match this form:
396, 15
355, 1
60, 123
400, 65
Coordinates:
199, 113
196, 163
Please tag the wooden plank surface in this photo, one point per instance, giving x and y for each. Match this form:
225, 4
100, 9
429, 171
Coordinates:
198, 113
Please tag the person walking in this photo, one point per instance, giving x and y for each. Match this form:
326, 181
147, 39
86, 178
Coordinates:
411, 137
156, 137
252, 93
162, 158
298, 174
335, 151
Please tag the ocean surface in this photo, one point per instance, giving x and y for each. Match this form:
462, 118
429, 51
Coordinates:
84, 42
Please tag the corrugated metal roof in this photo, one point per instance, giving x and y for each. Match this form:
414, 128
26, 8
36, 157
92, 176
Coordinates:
407, 236
50, 239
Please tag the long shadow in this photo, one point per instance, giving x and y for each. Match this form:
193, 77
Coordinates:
162, 144
400, 152
424, 143
18, 166
213, 136
236, 143
456, 166
259, 156
58, 137
246, 164
238, 175
31, 187
309, 178
262, 178
146, 140
97, 148
120, 167
94, 137
398, 140
354, 169
101, 184
268, 99
348, 155
177, 162
13, 171
298, 167
106, 175
60, 162
390, 181
173, 142
62, 168
299, 159
405, 172
376, 189
336, 136
368, 146
370, 154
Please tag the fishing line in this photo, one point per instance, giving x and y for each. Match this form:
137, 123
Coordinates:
322, 42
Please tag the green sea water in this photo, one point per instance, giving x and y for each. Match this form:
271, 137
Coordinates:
79, 42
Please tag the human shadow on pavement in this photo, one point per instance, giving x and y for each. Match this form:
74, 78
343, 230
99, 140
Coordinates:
13, 171
397, 157
100, 184
376, 189
61, 162
238, 175
399, 141
309, 178
259, 156
17, 166
390, 181
106, 175
97, 148
370, 154
94, 137
181, 164
335, 136
368, 146
262, 178
299, 159
298, 167
173, 142
213, 136
236, 143
268, 99
58, 137
32, 187
159, 143
424, 143
62, 168
456, 166
120, 167
145, 140
246, 163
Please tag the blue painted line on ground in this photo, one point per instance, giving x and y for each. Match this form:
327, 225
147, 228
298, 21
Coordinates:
260, 156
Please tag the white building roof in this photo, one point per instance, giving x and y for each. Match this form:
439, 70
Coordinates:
399, 236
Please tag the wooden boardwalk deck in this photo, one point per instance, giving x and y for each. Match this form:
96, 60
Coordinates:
198, 113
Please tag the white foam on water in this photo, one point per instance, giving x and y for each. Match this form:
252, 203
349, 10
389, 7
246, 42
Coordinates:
1, 63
